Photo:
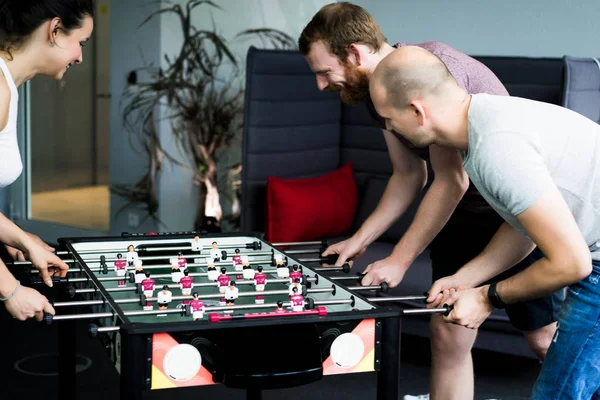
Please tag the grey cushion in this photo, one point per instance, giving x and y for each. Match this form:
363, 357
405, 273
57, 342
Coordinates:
582, 86
373, 191
291, 129
532, 78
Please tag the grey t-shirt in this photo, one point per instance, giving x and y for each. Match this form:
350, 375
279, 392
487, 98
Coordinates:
519, 148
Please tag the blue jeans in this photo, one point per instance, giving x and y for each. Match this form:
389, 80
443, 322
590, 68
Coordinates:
571, 369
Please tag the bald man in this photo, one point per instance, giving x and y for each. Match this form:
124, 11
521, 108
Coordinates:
342, 45
538, 166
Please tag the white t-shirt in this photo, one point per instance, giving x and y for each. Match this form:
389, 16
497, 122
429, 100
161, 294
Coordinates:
519, 148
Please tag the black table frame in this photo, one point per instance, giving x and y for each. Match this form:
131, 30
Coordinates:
136, 338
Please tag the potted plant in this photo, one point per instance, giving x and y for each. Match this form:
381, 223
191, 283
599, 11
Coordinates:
205, 113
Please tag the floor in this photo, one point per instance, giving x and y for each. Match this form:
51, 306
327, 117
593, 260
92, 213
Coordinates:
84, 207
28, 365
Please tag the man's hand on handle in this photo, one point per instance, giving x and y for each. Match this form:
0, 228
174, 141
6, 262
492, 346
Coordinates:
470, 307
347, 251
388, 270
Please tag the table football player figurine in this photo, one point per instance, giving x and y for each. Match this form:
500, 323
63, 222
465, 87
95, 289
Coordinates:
296, 285
132, 255
237, 260
279, 308
139, 270
181, 261
248, 271
212, 273
297, 300
223, 280
282, 271
295, 274
259, 300
196, 246
196, 307
121, 269
215, 253
148, 288
260, 280
164, 298
231, 293
186, 284
176, 273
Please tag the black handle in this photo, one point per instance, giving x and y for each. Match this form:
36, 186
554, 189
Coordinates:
329, 259
56, 280
448, 309
48, 318
383, 285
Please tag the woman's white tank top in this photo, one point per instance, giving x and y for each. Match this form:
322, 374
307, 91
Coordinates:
11, 165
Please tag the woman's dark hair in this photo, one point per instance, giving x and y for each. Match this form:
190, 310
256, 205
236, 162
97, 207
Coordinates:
19, 19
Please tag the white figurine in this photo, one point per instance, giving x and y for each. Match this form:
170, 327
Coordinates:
213, 274
132, 255
164, 298
196, 246
215, 253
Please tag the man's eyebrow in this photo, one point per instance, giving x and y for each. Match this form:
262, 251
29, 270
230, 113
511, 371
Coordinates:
322, 71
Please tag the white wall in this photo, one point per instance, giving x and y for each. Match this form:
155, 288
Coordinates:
178, 196
534, 28
129, 47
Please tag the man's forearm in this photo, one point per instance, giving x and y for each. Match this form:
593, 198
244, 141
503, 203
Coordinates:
506, 249
539, 279
401, 191
435, 209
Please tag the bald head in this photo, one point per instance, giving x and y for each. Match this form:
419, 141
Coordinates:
407, 74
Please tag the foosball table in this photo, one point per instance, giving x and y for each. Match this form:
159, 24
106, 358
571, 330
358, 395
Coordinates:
187, 309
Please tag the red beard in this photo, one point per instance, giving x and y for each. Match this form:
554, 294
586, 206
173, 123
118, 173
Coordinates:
356, 87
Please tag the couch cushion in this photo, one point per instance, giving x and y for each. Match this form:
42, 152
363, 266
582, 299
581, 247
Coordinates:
582, 86
312, 208
291, 129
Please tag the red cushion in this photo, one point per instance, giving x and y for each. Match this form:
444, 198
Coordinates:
311, 209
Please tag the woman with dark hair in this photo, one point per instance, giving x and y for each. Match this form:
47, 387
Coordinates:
37, 37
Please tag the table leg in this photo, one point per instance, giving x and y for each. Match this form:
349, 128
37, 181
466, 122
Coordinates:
387, 377
67, 361
135, 377
253, 394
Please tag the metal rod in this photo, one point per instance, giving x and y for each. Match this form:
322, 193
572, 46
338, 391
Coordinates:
441, 310
342, 278
109, 328
166, 248
332, 302
331, 269
207, 296
397, 298
67, 260
189, 265
302, 251
359, 288
206, 309
84, 316
149, 258
316, 242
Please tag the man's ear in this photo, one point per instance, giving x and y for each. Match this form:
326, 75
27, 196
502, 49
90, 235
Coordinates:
354, 55
419, 111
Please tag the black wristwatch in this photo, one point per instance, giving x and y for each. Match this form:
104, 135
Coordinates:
494, 298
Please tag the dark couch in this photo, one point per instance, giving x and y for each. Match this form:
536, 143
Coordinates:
292, 130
